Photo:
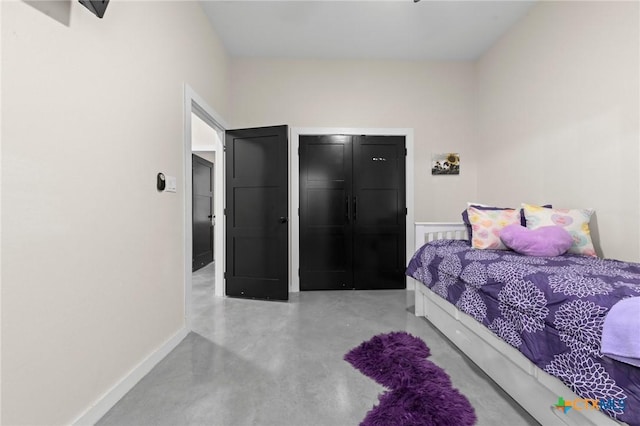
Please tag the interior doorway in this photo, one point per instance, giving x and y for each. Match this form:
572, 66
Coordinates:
203, 134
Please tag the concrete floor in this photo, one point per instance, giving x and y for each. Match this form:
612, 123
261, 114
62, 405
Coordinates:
252, 362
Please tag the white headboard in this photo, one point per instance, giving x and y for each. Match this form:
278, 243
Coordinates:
430, 231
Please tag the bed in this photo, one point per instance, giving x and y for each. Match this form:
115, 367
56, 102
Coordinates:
545, 350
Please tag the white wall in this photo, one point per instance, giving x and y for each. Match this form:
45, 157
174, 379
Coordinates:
207, 155
203, 136
92, 254
549, 114
435, 99
558, 111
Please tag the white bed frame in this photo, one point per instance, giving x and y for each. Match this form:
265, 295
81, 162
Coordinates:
531, 387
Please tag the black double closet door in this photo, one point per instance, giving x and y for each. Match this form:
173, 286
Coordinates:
352, 212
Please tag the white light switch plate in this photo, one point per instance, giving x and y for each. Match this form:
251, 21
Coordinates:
171, 184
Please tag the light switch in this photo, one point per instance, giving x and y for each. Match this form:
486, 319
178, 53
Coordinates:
171, 184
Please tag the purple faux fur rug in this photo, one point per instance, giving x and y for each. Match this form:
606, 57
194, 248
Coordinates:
420, 393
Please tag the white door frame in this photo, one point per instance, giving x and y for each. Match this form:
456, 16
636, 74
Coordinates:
294, 188
194, 103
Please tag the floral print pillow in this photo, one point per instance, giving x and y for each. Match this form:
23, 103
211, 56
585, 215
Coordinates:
487, 224
574, 221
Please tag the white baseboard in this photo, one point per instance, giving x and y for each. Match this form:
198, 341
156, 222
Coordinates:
113, 395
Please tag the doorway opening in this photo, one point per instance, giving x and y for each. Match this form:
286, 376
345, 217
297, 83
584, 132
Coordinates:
203, 142
203, 136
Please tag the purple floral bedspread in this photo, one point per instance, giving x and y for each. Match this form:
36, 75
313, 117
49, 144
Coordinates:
550, 308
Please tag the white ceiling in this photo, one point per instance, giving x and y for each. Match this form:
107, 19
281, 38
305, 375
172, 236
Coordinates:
397, 29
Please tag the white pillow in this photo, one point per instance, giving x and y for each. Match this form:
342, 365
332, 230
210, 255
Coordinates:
487, 224
574, 221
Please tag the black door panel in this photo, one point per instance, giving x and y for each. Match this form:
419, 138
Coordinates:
325, 226
378, 165
326, 159
379, 231
256, 213
378, 207
326, 206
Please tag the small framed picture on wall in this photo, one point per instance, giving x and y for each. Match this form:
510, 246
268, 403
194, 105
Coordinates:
445, 164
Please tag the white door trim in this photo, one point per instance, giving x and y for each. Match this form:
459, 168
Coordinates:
294, 187
194, 103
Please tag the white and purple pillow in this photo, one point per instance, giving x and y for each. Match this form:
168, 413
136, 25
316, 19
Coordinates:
465, 215
574, 221
486, 226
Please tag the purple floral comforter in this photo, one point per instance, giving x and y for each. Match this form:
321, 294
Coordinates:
550, 308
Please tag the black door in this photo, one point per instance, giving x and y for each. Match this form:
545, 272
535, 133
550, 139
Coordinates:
326, 232
352, 212
379, 212
202, 174
256, 213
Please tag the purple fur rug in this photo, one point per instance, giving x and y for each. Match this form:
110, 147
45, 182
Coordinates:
420, 393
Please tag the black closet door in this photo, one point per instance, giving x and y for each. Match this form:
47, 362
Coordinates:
326, 252
379, 213
352, 212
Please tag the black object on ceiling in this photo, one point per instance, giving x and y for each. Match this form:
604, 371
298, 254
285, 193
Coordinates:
97, 7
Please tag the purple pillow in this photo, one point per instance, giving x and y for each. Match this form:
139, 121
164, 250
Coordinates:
543, 241
467, 222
